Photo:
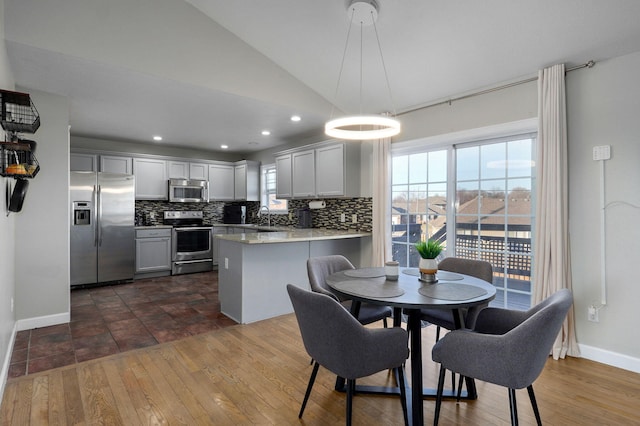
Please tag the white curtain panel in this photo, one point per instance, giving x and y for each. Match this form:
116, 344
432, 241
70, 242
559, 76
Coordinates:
381, 170
552, 269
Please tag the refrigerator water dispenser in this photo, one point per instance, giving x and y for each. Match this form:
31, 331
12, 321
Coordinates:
81, 213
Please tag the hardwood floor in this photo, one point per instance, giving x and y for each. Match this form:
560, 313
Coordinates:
257, 374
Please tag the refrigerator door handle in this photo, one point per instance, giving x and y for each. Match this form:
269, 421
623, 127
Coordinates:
99, 224
95, 216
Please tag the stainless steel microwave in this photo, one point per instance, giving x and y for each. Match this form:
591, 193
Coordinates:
188, 191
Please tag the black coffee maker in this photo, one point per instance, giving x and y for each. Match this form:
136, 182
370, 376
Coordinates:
234, 214
304, 218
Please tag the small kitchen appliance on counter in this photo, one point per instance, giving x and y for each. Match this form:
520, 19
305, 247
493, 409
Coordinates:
191, 242
304, 218
234, 214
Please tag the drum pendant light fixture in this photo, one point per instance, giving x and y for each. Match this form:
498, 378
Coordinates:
363, 127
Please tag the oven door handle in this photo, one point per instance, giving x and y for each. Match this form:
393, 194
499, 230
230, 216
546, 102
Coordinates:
185, 262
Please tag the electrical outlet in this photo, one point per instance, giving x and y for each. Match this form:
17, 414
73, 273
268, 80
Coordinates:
592, 313
354, 218
343, 218
602, 152
226, 263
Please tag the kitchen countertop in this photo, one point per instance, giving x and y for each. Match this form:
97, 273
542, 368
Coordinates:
257, 227
290, 235
247, 226
153, 227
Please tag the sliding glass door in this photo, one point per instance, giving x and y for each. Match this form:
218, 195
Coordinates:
481, 208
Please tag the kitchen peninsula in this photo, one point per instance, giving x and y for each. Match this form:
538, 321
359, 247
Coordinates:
254, 268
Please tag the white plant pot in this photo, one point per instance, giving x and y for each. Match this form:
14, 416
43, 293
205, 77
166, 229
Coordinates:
428, 266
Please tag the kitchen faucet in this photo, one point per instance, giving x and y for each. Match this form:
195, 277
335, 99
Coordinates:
268, 214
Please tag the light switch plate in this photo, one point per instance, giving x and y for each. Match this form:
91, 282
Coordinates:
602, 152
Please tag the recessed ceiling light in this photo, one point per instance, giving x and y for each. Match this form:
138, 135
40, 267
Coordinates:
224, 146
295, 118
266, 133
157, 138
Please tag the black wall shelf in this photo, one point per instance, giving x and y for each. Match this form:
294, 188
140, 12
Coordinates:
18, 113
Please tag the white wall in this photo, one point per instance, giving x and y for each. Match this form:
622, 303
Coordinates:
42, 227
604, 109
7, 278
502, 106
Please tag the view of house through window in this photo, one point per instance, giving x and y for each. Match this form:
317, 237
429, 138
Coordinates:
419, 203
268, 193
492, 185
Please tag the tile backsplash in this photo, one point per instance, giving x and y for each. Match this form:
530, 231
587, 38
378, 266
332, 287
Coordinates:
150, 213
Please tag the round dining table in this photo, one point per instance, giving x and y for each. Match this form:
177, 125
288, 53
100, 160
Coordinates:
452, 291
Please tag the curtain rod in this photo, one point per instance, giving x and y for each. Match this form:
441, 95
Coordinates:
588, 64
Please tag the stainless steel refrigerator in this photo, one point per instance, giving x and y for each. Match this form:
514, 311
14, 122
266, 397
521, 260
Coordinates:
102, 227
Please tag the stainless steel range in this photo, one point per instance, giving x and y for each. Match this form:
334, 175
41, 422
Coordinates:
192, 244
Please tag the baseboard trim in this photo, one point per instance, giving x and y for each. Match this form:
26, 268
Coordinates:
45, 321
4, 373
613, 359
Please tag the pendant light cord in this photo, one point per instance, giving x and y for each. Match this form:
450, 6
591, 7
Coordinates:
361, 43
384, 67
344, 55
362, 127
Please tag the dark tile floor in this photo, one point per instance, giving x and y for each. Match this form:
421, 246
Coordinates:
111, 319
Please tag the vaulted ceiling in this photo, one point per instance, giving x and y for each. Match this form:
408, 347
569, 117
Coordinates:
202, 73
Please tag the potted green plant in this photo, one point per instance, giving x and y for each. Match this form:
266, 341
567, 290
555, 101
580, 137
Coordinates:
428, 265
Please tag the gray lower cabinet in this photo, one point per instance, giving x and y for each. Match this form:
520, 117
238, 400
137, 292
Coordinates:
153, 252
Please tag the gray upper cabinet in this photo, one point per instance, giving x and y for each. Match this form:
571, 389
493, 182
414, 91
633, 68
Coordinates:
199, 171
247, 181
83, 162
116, 164
221, 182
303, 174
330, 171
187, 170
283, 177
323, 170
151, 179
178, 170
227, 181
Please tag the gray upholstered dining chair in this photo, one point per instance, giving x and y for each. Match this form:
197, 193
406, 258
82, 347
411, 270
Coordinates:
444, 318
338, 342
507, 347
320, 267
